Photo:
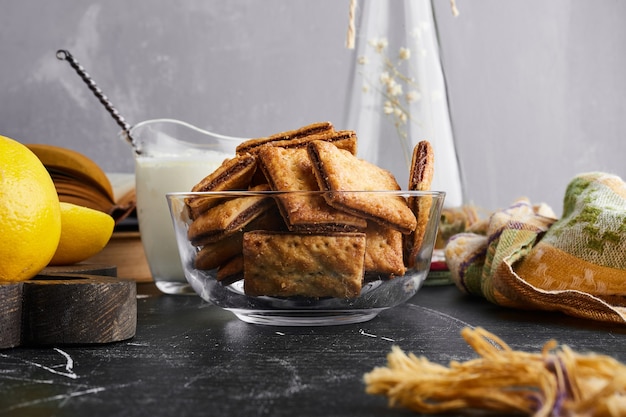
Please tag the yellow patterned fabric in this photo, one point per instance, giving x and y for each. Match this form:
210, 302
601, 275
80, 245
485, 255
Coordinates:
528, 259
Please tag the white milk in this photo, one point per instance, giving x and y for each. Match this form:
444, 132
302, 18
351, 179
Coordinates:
156, 176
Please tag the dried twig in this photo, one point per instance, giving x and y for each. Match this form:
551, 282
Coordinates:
350, 39
351, 28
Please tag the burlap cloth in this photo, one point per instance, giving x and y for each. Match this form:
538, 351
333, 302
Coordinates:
525, 258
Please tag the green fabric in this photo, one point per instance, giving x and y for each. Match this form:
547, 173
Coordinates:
529, 259
593, 226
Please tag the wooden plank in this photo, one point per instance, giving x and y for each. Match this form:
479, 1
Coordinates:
126, 252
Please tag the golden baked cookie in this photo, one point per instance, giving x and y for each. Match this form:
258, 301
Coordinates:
343, 139
311, 265
291, 170
233, 174
227, 218
217, 253
383, 251
231, 271
339, 170
252, 145
420, 179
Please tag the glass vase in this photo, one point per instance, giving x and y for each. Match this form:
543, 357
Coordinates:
398, 93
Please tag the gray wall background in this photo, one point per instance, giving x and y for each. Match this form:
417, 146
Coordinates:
537, 88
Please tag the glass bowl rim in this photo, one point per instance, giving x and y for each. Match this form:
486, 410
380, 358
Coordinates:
401, 193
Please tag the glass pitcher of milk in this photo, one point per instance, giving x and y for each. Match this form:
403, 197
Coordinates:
170, 156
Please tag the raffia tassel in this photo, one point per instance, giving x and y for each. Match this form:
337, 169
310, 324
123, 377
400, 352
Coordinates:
551, 383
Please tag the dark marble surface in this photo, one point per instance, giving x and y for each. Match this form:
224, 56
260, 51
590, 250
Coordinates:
189, 358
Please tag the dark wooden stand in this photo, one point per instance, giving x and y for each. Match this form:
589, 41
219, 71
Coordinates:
81, 304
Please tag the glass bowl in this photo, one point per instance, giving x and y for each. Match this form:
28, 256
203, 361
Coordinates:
378, 291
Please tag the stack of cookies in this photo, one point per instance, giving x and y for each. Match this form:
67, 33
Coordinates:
296, 241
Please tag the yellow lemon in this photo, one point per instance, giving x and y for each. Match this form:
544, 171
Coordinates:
84, 233
30, 217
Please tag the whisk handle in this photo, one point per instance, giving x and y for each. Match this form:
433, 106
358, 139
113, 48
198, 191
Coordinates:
63, 54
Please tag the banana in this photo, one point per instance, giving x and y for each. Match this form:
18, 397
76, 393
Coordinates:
58, 159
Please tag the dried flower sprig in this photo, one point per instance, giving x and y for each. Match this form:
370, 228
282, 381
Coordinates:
397, 89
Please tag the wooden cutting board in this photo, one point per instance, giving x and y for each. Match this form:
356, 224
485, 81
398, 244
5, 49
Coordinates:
81, 304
